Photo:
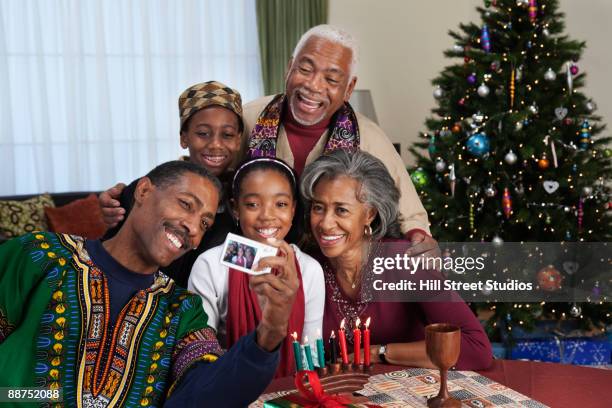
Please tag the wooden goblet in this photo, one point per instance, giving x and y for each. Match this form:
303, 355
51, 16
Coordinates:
443, 343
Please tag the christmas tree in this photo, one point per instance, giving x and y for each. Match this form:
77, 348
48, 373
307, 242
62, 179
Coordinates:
515, 151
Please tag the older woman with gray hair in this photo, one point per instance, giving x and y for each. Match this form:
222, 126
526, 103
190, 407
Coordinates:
352, 206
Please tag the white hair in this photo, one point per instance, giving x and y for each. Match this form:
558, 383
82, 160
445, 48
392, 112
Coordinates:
335, 35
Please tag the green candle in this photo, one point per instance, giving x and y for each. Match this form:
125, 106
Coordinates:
297, 353
308, 353
320, 351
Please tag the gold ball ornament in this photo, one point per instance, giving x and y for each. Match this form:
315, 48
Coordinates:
543, 163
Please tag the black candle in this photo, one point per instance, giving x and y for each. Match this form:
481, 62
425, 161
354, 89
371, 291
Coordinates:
333, 348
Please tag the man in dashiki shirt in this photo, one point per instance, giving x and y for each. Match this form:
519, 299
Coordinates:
101, 323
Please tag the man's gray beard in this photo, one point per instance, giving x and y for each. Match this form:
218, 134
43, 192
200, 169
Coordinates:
300, 121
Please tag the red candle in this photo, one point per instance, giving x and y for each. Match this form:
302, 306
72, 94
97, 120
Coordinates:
342, 340
366, 343
357, 343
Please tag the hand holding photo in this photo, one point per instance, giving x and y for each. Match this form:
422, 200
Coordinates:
241, 253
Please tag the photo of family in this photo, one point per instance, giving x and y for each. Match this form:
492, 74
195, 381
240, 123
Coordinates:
239, 254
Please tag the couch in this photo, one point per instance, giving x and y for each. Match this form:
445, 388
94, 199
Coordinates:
71, 212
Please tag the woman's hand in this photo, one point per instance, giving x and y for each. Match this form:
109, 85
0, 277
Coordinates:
374, 357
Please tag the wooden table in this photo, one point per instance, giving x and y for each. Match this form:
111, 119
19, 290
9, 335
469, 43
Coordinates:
556, 385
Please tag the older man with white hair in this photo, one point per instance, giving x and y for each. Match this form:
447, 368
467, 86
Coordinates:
313, 117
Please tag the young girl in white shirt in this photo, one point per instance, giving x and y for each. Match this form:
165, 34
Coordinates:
263, 204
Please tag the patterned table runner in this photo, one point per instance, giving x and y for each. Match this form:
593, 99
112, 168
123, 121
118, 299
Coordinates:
411, 388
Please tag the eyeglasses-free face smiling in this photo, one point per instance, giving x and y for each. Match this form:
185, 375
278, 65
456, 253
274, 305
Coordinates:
337, 217
318, 81
212, 136
172, 220
265, 206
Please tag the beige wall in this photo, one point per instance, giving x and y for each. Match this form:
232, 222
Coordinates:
402, 41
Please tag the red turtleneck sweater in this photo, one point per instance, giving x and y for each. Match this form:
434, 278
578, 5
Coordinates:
302, 138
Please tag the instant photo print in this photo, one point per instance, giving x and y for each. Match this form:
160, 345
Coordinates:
241, 253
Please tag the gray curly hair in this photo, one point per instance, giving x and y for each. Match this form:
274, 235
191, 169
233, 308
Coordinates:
378, 189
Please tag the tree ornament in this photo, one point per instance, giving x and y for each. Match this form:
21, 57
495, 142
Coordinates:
519, 189
580, 213
419, 177
549, 278
587, 190
461, 102
444, 133
438, 92
533, 11
548, 140
591, 106
570, 78
512, 87
478, 117
519, 73
574, 69
518, 126
548, 219
543, 163
495, 65
533, 108
550, 75
568, 121
471, 217
485, 40
497, 241
490, 191
457, 48
608, 153
585, 136
472, 78
575, 310
453, 179
522, 3
545, 32
507, 203
550, 186
456, 128
483, 90
560, 113
478, 144
596, 291
570, 267
510, 157
432, 146
440, 165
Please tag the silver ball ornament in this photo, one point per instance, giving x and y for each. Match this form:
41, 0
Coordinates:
440, 165
587, 190
550, 75
483, 91
575, 310
457, 48
511, 157
438, 92
497, 241
591, 106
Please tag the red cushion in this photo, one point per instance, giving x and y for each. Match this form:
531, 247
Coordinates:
81, 217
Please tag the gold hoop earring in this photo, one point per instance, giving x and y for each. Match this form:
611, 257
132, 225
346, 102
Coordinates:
368, 231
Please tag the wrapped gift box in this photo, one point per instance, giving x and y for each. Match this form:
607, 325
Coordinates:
574, 350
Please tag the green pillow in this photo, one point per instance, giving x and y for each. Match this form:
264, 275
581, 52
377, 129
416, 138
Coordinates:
20, 217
